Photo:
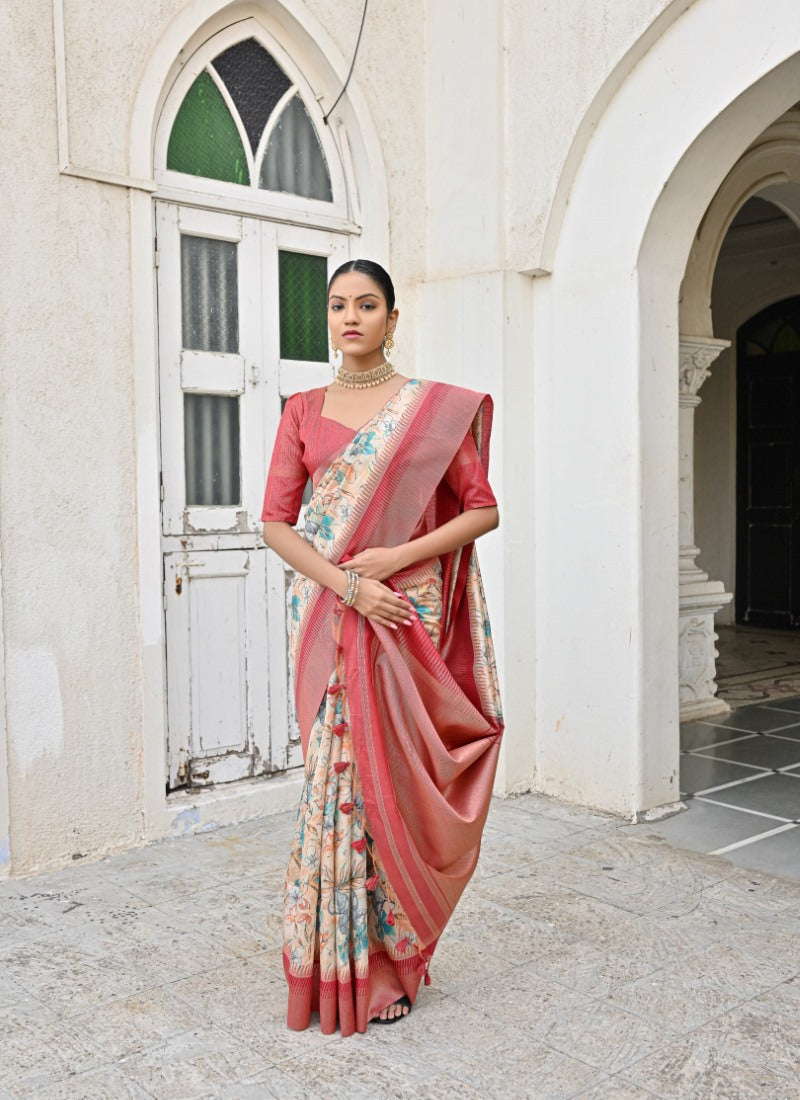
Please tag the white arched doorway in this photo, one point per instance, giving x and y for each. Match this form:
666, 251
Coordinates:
189, 534
607, 368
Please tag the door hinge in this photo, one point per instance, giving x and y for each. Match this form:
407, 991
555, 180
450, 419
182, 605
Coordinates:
155, 258
161, 488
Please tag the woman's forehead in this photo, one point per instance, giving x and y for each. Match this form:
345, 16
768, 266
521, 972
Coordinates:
355, 284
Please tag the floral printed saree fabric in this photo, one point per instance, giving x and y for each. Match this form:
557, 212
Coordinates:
400, 729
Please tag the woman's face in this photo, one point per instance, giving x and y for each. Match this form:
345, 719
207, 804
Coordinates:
357, 315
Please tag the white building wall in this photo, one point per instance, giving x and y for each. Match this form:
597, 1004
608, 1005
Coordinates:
66, 485
482, 115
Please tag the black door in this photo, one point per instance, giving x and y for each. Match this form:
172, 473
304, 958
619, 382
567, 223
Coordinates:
768, 468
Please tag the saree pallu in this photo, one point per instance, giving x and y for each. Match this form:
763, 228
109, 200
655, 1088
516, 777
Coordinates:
400, 728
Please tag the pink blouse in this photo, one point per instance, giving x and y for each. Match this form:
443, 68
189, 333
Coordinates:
307, 442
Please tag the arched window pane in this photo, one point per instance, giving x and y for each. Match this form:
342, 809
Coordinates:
204, 139
766, 332
787, 339
255, 81
752, 348
294, 161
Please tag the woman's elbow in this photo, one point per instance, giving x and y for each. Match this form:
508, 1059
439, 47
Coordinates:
269, 528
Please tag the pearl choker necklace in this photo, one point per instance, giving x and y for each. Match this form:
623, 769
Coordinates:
360, 379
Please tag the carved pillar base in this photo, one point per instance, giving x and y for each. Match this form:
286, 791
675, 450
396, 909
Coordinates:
699, 603
700, 598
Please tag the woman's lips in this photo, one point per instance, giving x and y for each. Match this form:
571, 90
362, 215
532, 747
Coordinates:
351, 335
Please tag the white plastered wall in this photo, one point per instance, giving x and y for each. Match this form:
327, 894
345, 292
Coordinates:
81, 581
607, 395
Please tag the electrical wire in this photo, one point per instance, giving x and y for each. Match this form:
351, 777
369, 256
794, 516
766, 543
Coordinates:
352, 64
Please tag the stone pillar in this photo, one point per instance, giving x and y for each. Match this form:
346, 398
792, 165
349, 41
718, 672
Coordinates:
700, 598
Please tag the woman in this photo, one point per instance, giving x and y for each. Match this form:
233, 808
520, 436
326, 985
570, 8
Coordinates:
395, 680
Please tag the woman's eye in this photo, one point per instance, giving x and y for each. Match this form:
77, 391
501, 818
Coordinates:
335, 307
369, 305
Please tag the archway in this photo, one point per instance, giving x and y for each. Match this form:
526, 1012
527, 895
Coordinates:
607, 398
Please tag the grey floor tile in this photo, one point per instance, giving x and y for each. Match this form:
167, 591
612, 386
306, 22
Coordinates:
778, 854
760, 1035
604, 1036
595, 971
536, 1066
105, 1083
583, 916
734, 971
581, 949
696, 735
790, 734
776, 795
36, 1048
791, 705
758, 719
700, 773
762, 752
191, 1064
680, 1006
704, 826
748, 899
130, 1025
700, 1070
616, 1088
523, 995
580, 816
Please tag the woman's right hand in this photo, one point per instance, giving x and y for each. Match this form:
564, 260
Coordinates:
381, 605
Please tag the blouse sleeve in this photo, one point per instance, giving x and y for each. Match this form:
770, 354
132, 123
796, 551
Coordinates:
287, 475
467, 478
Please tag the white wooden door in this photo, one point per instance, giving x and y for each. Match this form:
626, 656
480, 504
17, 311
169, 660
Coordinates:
240, 303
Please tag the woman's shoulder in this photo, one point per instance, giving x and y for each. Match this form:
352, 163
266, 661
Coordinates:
305, 402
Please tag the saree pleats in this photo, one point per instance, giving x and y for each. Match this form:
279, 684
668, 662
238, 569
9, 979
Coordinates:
400, 732
349, 947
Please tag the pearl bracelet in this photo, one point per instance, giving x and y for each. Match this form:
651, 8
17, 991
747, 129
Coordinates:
350, 595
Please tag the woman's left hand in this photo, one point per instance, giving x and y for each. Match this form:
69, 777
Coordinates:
378, 562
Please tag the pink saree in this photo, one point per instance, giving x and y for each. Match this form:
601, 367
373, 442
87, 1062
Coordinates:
400, 728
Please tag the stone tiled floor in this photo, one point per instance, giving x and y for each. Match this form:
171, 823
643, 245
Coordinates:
757, 665
588, 958
740, 777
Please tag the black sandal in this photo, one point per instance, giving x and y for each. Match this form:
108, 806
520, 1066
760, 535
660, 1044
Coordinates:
393, 1019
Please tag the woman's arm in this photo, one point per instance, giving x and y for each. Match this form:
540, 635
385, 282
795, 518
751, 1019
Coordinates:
380, 562
374, 600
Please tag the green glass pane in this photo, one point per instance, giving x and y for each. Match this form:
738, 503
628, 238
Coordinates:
787, 339
303, 294
204, 139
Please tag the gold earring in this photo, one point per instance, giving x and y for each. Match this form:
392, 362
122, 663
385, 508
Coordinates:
334, 348
388, 344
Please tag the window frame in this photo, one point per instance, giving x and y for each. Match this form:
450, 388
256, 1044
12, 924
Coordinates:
252, 200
